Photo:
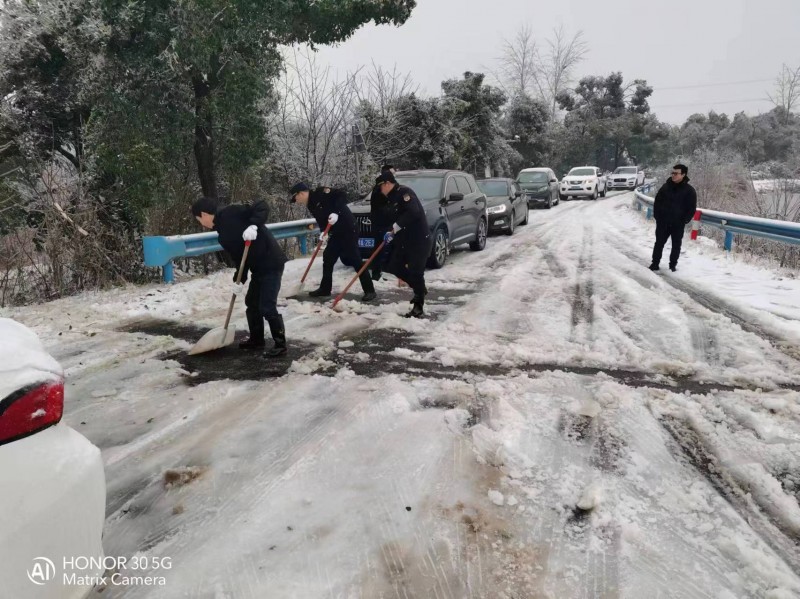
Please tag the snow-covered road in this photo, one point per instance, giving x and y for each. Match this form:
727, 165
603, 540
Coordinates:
564, 424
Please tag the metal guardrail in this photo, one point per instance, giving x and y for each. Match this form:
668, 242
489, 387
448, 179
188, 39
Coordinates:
774, 230
160, 251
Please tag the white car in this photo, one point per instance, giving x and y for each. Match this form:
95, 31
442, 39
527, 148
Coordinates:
626, 177
53, 492
583, 181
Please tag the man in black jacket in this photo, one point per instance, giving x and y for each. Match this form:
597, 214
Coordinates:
329, 206
265, 260
673, 209
411, 238
382, 213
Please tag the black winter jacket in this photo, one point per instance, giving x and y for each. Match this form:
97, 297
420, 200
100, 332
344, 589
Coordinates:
324, 201
382, 211
675, 204
410, 216
265, 254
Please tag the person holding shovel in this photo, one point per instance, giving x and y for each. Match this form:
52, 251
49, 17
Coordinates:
411, 238
381, 213
236, 225
329, 207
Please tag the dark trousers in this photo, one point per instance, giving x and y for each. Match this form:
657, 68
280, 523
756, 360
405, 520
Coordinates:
663, 232
349, 254
408, 263
262, 301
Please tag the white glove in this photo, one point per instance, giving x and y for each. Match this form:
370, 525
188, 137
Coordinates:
323, 241
250, 233
333, 218
396, 228
237, 288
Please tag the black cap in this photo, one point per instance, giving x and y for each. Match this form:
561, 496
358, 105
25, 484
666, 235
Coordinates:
385, 177
387, 167
297, 188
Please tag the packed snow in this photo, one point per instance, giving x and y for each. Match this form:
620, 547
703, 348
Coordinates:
565, 423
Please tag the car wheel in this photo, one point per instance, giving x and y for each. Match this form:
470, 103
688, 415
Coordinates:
549, 202
480, 237
527, 214
561, 197
594, 194
558, 200
605, 189
439, 252
512, 225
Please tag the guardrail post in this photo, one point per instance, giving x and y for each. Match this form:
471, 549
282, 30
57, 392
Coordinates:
696, 223
728, 241
303, 244
638, 206
169, 274
649, 214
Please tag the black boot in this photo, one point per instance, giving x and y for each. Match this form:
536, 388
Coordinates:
279, 335
251, 344
673, 267
416, 309
376, 274
255, 323
326, 284
654, 266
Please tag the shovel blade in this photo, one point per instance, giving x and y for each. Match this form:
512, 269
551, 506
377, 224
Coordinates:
214, 339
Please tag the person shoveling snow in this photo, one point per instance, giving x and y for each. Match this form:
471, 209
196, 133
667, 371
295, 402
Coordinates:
236, 226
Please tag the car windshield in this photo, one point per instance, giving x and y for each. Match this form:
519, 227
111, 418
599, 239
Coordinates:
582, 172
625, 170
535, 177
493, 188
426, 188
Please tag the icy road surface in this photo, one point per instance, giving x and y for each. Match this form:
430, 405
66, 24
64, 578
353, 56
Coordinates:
564, 424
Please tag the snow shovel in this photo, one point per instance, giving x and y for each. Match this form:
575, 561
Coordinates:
222, 336
313, 257
359, 273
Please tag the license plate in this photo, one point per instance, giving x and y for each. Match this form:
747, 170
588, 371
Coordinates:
366, 242
575, 187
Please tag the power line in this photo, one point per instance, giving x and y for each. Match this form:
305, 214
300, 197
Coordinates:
712, 103
719, 84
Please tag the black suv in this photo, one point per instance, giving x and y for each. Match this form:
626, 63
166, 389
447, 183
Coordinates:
455, 207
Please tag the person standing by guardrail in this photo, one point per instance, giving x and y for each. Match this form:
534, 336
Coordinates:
382, 213
329, 206
235, 225
413, 245
673, 209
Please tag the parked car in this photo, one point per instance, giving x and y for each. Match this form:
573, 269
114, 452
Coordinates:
454, 205
540, 186
53, 499
626, 177
583, 181
507, 206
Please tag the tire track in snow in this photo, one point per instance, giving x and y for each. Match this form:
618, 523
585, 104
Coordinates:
772, 531
583, 293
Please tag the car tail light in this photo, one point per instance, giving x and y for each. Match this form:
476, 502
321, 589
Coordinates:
30, 410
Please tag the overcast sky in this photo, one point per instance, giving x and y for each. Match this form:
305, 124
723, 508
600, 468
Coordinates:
733, 48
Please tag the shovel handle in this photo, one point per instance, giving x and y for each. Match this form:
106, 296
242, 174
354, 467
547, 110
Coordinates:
314, 255
238, 280
359, 273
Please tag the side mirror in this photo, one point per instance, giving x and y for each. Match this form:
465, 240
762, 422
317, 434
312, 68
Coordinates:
553, 180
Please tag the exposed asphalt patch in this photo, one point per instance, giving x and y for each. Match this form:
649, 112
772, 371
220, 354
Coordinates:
224, 363
379, 345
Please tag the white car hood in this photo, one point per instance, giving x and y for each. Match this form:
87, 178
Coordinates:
579, 179
23, 359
